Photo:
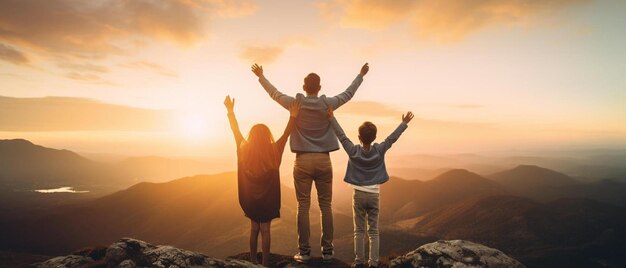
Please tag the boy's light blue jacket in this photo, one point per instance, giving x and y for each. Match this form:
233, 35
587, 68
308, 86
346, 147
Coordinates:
366, 167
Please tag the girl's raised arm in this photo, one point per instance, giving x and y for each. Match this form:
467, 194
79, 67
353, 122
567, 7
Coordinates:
234, 126
294, 109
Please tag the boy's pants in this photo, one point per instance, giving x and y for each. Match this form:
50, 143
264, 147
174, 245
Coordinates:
365, 208
309, 168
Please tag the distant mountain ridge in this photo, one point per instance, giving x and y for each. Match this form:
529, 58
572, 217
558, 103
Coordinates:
411, 198
529, 177
26, 165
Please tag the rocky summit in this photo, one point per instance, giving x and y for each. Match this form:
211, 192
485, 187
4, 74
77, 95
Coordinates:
457, 254
131, 253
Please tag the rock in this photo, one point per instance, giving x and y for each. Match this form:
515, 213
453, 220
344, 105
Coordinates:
455, 254
69, 261
131, 253
127, 264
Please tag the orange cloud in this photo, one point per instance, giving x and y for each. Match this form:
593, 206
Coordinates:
261, 54
96, 29
437, 19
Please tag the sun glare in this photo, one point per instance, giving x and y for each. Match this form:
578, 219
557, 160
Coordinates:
194, 126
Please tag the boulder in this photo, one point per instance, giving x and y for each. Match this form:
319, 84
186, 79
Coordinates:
455, 254
130, 253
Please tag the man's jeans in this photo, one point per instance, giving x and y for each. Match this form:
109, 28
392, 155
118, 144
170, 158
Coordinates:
365, 207
309, 168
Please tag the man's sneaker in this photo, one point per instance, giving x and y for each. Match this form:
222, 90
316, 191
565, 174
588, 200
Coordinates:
302, 257
358, 265
327, 257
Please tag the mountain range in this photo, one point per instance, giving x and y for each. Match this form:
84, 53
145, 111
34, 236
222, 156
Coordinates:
572, 222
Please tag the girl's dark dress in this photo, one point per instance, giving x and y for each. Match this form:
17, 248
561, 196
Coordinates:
259, 196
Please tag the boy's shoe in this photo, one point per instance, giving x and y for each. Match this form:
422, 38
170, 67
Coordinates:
327, 257
302, 257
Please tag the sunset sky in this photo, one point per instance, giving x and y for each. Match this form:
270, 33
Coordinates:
149, 77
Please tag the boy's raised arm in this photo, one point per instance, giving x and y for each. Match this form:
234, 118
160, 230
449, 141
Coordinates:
346, 143
395, 135
343, 97
282, 99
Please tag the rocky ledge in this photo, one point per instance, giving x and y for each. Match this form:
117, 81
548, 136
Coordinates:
457, 254
131, 253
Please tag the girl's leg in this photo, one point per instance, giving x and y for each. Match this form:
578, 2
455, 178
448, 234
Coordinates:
254, 239
266, 240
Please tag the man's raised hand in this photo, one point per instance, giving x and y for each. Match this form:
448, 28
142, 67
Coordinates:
257, 70
365, 69
407, 118
229, 103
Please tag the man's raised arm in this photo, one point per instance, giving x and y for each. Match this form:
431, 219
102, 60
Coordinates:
345, 96
282, 99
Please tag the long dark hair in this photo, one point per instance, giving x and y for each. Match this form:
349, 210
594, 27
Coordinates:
259, 153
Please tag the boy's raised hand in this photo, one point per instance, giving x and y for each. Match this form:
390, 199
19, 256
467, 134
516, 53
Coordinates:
229, 103
294, 108
257, 70
330, 112
407, 118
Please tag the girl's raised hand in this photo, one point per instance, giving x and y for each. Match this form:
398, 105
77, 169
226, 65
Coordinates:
294, 108
229, 103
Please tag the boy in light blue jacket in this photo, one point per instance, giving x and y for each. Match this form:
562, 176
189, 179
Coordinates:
366, 171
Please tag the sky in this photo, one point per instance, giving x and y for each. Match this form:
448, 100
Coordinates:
149, 77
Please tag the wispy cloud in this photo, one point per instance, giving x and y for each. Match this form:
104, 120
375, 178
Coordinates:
261, 54
151, 66
371, 109
12, 55
436, 19
83, 67
466, 106
89, 78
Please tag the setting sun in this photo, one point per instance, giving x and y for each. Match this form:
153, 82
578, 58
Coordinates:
193, 126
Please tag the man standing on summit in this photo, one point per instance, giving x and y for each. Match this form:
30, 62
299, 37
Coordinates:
312, 140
